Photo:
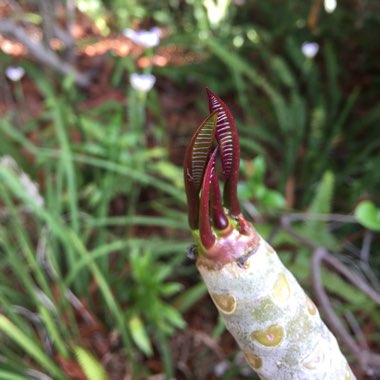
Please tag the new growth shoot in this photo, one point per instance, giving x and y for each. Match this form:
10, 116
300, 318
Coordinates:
214, 216
275, 323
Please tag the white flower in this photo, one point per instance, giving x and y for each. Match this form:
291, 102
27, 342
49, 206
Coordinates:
142, 82
330, 6
221, 368
146, 38
310, 49
14, 73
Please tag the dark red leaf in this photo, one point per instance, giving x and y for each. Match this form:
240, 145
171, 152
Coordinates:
205, 229
196, 158
218, 216
228, 140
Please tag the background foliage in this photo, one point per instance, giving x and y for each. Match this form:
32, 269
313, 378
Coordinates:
94, 280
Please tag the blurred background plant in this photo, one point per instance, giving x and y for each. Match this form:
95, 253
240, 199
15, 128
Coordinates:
98, 101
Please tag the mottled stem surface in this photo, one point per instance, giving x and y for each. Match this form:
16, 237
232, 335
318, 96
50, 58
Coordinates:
275, 323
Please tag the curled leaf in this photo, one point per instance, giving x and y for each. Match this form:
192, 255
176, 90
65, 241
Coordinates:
196, 157
205, 230
218, 216
228, 140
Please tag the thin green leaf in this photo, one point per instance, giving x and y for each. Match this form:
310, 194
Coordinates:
30, 347
368, 215
139, 335
89, 364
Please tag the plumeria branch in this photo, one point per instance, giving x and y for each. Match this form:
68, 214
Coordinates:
274, 322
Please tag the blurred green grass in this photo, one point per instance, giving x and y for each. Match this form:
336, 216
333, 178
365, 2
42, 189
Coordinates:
94, 227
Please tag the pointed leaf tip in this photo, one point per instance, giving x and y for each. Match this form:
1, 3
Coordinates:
226, 134
228, 140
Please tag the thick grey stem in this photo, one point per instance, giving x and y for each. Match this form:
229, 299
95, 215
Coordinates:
274, 322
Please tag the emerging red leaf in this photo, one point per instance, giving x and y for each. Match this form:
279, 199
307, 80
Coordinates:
218, 216
205, 229
196, 158
228, 140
